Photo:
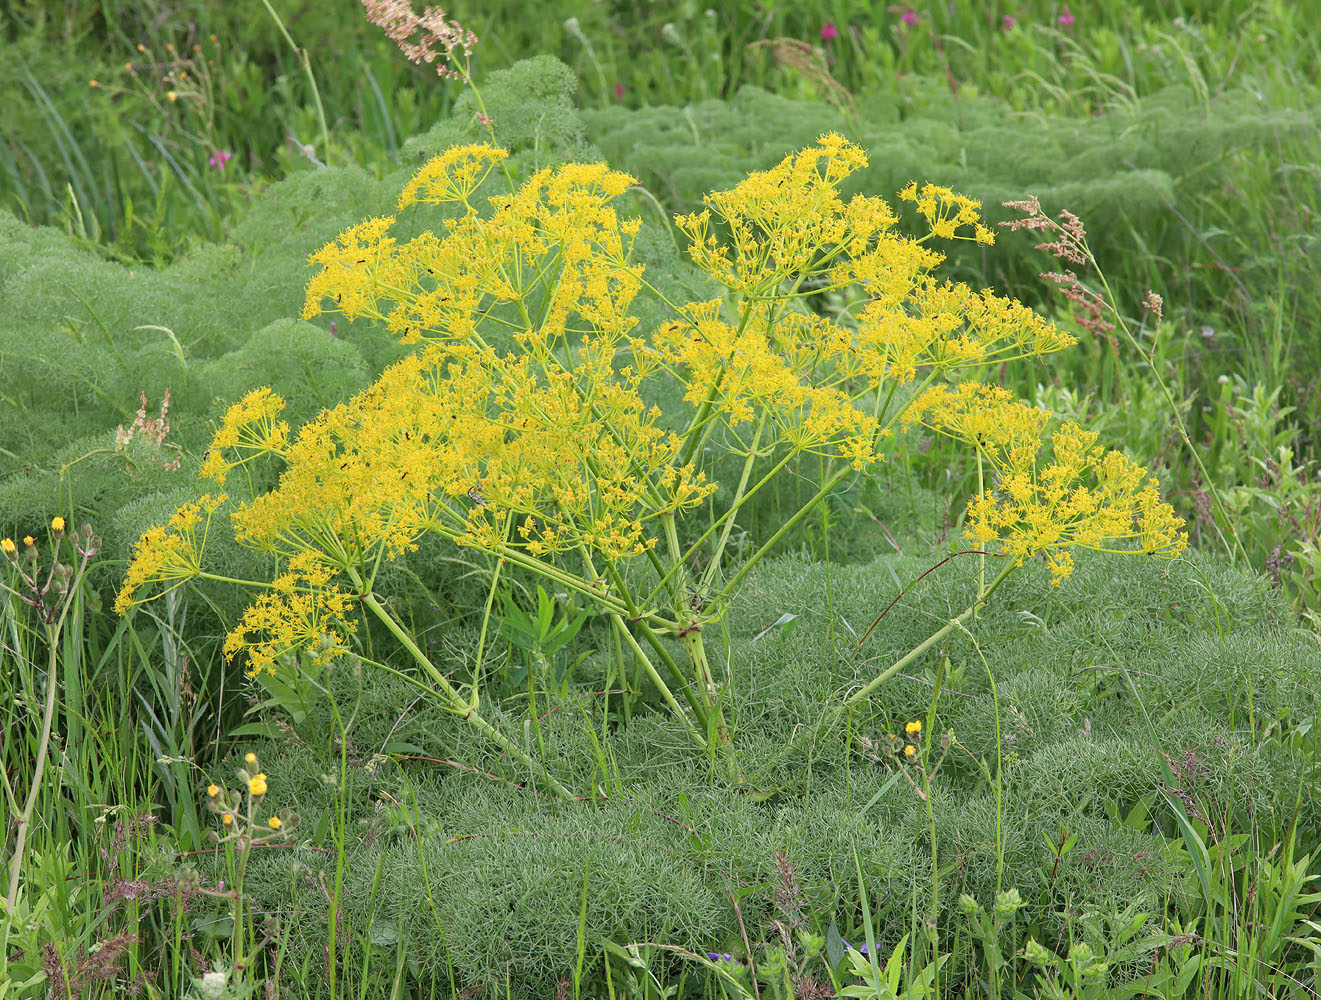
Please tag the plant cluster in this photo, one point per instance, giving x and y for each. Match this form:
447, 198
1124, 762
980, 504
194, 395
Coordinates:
548, 456
467, 573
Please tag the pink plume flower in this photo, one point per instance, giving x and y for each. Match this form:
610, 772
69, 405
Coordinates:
220, 158
829, 32
1066, 19
909, 17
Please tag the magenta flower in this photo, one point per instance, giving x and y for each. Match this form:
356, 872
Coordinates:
220, 158
1009, 22
829, 32
1066, 19
909, 17
620, 90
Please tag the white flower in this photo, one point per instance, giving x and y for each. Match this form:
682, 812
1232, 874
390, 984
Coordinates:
214, 985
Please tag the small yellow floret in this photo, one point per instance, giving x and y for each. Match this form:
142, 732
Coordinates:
212, 790
275, 822
257, 785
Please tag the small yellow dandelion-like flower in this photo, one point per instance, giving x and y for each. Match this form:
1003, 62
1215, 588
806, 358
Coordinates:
212, 790
275, 822
257, 785
9, 548
171, 96
29, 541
914, 729
250, 759
93, 83
910, 751
57, 524
227, 819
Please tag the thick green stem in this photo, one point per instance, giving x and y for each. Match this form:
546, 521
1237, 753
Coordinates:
716, 525
685, 683
622, 630
719, 551
456, 703
784, 529
692, 642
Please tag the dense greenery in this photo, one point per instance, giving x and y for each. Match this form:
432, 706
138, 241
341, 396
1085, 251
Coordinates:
1114, 789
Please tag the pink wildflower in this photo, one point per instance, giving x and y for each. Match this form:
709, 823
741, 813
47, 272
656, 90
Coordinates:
220, 158
1009, 22
909, 17
1066, 19
620, 90
829, 32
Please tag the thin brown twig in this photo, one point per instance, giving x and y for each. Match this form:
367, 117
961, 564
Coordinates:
899, 596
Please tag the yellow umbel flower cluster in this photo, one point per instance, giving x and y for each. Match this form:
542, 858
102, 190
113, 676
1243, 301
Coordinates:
785, 220
552, 250
946, 212
465, 449
1054, 491
301, 611
171, 554
800, 372
250, 428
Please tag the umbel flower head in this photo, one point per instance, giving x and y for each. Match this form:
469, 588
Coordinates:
170, 555
1053, 492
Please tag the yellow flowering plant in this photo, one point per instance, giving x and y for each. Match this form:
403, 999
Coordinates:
547, 456
239, 811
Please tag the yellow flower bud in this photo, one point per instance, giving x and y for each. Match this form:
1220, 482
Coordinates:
914, 728
274, 823
910, 751
250, 759
213, 790
257, 785
57, 525
227, 819
8, 547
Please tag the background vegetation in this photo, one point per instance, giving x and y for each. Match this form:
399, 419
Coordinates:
1143, 773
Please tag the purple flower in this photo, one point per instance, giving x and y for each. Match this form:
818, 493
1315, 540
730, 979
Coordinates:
829, 32
1066, 19
909, 17
219, 158
721, 956
849, 947
620, 91
1009, 22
